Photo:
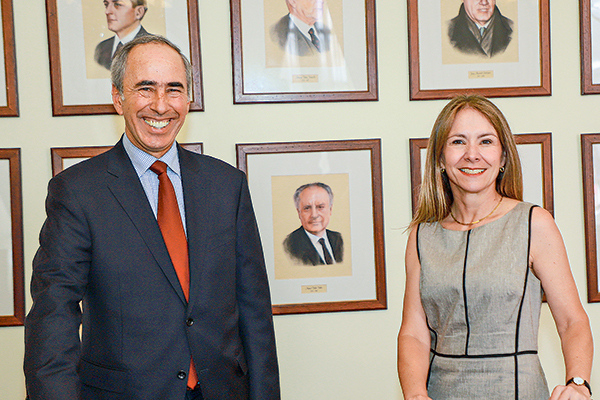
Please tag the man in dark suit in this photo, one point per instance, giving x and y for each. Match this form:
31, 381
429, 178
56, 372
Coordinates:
124, 18
158, 315
313, 243
301, 32
480, 28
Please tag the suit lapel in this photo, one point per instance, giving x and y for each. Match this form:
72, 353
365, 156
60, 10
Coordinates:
314, 256
128, 191
196, 193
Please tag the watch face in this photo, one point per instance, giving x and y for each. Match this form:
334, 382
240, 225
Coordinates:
578, 381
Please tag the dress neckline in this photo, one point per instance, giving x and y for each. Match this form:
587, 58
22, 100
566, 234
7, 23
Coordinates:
486, 224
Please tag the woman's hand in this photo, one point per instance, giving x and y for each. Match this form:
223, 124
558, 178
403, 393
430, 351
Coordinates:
570, 392
418, 397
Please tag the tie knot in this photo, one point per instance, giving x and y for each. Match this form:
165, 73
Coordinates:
158, 167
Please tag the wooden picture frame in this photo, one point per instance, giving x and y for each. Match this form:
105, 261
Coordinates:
352, 169
535, 150
64, 157
9, 104
88, 87
453, 64
12, 286
590, 161
589, 23
267, 70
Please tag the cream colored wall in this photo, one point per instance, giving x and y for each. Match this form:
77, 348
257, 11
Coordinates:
326, 356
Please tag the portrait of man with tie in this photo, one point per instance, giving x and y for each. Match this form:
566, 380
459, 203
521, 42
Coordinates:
154, 253
480, 29
302, 32
124, 18
312, 243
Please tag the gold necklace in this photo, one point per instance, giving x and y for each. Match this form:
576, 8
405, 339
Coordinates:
479, 220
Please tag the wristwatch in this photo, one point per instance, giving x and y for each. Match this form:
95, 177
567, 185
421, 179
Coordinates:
580, 382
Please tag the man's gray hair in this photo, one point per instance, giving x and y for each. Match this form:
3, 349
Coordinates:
323, 186
119, 62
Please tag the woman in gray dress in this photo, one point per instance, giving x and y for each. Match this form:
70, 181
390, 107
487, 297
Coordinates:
476, 260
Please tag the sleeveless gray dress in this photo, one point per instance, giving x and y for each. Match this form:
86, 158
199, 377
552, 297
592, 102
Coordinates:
482, 304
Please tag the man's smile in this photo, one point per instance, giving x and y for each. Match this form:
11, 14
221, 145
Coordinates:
157, 124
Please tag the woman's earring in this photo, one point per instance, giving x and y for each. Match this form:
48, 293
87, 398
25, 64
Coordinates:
443, 170
501, 169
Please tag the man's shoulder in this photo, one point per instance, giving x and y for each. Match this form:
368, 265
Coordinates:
460, 20
333, 234
89, 171
283, 24
296, 234
505, 22
142, 32
105, 44
295, 238
280, 30
205, 163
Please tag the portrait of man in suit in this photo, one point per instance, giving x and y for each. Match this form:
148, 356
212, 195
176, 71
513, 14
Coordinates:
480, 29
302, 32
161, 249
124, 18
312, 243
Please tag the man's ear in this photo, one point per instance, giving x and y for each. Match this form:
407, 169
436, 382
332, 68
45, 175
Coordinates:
117, 100
139, 12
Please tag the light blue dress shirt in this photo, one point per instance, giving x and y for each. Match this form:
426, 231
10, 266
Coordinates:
141, 163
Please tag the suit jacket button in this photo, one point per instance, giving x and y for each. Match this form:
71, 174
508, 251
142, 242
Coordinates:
189, 321
181, 375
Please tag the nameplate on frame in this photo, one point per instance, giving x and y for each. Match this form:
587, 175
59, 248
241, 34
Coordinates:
481, 74
305, 78
306, 289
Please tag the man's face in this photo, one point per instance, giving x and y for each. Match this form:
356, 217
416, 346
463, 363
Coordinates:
309, 11
480, 11
314, 210
154, 102
121, 16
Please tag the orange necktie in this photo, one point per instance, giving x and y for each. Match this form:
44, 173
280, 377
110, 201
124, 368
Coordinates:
169, 221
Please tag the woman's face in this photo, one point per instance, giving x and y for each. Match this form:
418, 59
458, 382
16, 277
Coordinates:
473, 154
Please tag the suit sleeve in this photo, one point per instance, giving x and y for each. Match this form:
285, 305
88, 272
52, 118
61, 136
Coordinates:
60, 270
256, 321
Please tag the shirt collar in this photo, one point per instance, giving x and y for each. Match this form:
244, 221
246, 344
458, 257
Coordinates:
142, 161
126, 39
315, 238
303, 27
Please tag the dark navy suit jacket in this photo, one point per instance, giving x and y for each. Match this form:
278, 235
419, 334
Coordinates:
298, 245
101, 245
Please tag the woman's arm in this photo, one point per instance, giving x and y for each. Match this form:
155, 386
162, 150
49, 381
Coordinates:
413, 339
548, 258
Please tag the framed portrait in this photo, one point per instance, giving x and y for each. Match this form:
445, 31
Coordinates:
590, 157
12, 283
82, 34
535, 152
318, 50
64, 157
9, 106
313, 196
499, 50
589, 15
